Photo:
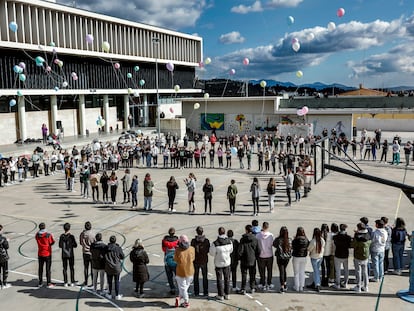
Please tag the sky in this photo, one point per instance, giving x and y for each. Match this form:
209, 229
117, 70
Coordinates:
371, 44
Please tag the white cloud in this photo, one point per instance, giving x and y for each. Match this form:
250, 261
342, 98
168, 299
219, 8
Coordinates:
244, 9
231, 37
283, 3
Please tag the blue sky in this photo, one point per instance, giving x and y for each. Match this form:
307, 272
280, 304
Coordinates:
372, 44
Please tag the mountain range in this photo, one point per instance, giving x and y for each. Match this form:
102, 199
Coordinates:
315, 85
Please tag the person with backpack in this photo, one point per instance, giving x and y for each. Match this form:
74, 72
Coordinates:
398, 237
44, 241
231, 196
148, 185
361, 244
169, 244
4, 260
249, 250
271, 191
67, 243
202, 246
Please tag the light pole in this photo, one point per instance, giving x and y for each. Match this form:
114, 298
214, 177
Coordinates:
156, 42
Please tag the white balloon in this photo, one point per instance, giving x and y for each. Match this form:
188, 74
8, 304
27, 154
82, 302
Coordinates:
296, 46
310, 36
196, 106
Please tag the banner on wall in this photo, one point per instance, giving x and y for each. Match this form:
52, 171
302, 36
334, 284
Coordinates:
212, 121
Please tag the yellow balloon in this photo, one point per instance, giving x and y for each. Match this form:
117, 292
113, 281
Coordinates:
263, 83
299, 74
106, 46
206, 96
207, 61
176, 88
130, 91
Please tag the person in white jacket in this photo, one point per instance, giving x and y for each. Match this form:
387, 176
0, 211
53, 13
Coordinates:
289, 185
265, 260
379, 240
221, 250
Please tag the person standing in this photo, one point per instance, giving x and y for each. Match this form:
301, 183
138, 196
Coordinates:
94, 181
169, 244
208, 195
44, 241
289, 185
240, 155
221, 249
84, 179
361, 244
265, 258
113, 186
36, 162
98, 251
316, 250
249, 250
378, 242
231, 196
399, 235
384, 151
104, 184
190, 182
283, 253
234, 256
271, 191
395, 153
255, 191
126, 186
4, 260
172, 187
86, 238
299, 252
202, 246
44, 133
407, 152
342, 243
67, 243
134, 191
148, 185
387, 228
184, 257
113, 258
139, 259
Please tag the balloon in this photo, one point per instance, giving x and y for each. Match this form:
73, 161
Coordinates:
170, 67
196, 106
56, 88
232, 72
99, 117
296, 46
310, 36
19, 93
39, 61
48, 68
22, 65
206, 96
103, 122
117, 66
98, 122
263, 83
290, 20
176, 88
75, 78
207, 61
13, 26
60, 64
233, 150
246, 61
299, 112
141, 82
299, 74
294, 40
12, 102
139, 132
129, 75
331, 26
106, 46
305, 110
65, 84
136, 68
89, 38
52, 44
130, 91
171, 110
136, 94
22, 77
17, 69
56, 61
340, 12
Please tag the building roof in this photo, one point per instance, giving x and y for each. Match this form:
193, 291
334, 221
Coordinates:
363, 92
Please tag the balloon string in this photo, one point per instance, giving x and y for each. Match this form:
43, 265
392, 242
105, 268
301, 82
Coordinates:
225, 86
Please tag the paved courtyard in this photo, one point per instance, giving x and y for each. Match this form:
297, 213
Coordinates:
338, 198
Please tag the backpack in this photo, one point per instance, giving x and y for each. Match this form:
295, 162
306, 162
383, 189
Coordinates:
4, 257
169, 258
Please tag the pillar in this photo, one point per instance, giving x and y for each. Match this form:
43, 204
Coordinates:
81, 108
145, 115
126, 112
54, 113
22, 118
106, 112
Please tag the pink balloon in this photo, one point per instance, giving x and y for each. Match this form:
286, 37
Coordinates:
299, 112
171, 110
294, 40
340, 12
232, 72
305, 110
117, 66
89, 38
170, 67
246, 61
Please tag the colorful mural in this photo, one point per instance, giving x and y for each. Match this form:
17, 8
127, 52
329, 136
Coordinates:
212, 121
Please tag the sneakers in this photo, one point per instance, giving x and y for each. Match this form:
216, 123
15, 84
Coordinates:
271, 286
219, 297
118, 297
235, 289
226, 297
108, 296
51, 285
260, 287
177, 302
365, 289
6, 285
242, 292
357, 289
66, 285
335, 286
186, 305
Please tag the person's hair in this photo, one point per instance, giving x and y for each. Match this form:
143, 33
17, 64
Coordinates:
343, 227
271, 181
42, 226
1, 227
364, 220
317, 235
284, 235
265, 225
325, 231
361, 226
88, 225
230, 233
384, 219
172, 178
334, 228
248, 228
191, 175
400, 223
207, 180
112, 239
147, 175
127, 171
199, 230
66, 227
221, 231
171, 231
98, 236
300, 232
232, 181
255, 180
255, 222
138, 243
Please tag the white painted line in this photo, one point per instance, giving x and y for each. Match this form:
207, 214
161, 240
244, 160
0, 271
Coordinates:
156, 255
258, 302
250, 296
267, 309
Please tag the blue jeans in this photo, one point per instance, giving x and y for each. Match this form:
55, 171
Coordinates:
316, 265
147, 203
378, 264
397, 256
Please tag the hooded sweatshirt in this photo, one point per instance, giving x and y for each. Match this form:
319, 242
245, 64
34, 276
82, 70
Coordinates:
361, 244
45, 241
221, 250
265, 240
249, 250
148, 185
184, 256
202, 247
379, 240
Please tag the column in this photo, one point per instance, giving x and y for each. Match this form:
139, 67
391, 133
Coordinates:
145, 111
126, 112
106, 112
81, 108
53, 114
22, 118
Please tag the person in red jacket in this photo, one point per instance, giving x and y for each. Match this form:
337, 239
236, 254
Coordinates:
169, 244
44, 241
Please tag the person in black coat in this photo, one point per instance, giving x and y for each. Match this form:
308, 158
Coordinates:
208, 195
113, 258
202, 246
67, 243
249, 250
172, 187
98, 251
234, 259
139, 259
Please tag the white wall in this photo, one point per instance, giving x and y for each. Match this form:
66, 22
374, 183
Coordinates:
91, 115
393, 125
8, 128
34, 121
